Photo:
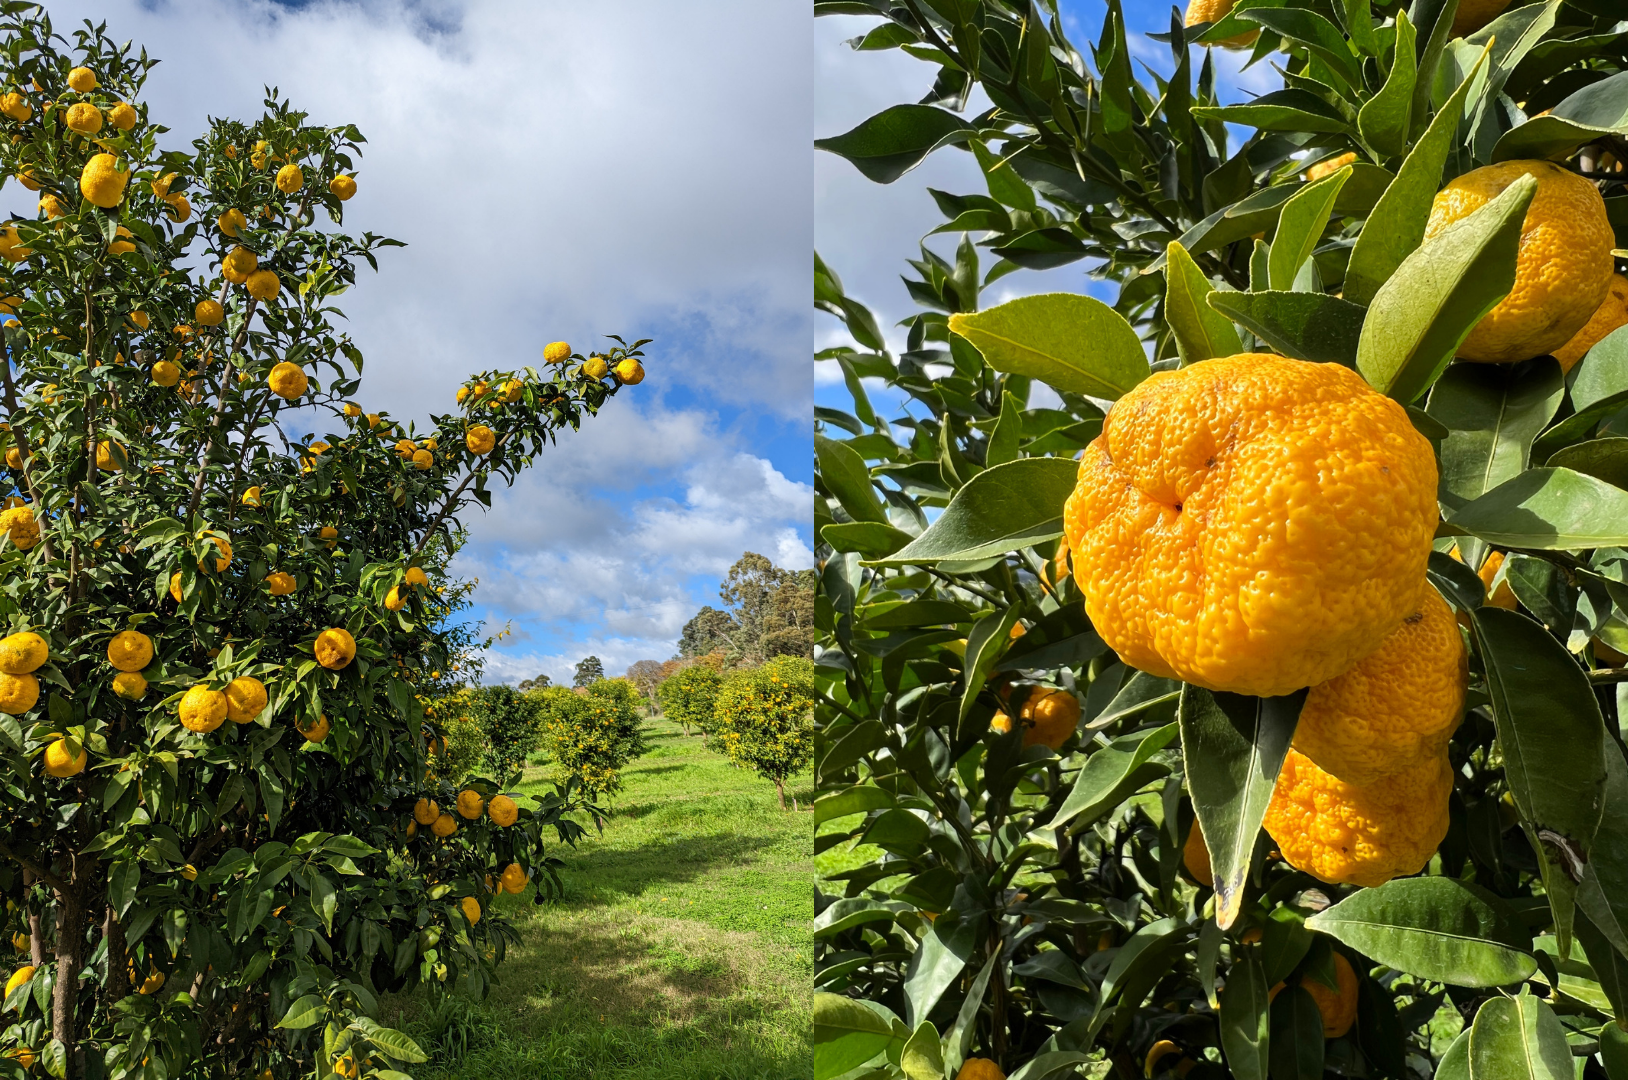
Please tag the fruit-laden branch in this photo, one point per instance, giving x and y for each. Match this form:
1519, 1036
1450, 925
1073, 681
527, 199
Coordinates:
452, 500
28, 458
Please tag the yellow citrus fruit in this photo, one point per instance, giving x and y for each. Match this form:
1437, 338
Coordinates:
1359, 834
1396, 706
471, 909
239, 263
251, 497
152, 983
290, 179
343, 187
502, 811
202, 709
330, 537
980, 1069
423, 460
208, 313
84, 118
29, 179
1503, 596
61, 762
263, 285
1472, 15
130, 650
18, 978
1611, 314
352, 409
109, 456
314, 732
1564, 267
166, 373
630, 371
52, 207
1180, 523
445, 825
288, 381
480, 439
22, 652
1330, 166
123, 116
1209, 11
223, 554
20, 941
416, 576
425, 811
393, 600
470, 804
25, 1057
18, 693
245, 699
1001, 723
595, 367
82, 79
179, 208
16, 106
175, 586
513, 389
101, 182
20, 526
556, 352
514, 879
1049, 717
1339, 1007
1195, 856
335, 648
281, 584
130, 685
406, 447
230, 222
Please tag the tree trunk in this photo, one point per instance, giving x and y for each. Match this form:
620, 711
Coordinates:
36, 944
118, 964
780, 789
71, 915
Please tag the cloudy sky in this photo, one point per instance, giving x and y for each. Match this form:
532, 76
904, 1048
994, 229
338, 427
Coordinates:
562, 170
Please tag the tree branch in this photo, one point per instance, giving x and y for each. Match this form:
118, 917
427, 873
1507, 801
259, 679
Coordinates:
32, 867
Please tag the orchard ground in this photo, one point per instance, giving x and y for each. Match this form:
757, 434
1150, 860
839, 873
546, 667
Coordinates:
682, 949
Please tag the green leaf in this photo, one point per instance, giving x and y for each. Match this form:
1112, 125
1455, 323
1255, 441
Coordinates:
916, 613
1608, 966
923, 1056
1599, 387
1396, 226
1509, 38
1385, 120
1518, 1038
1424, 312
1603, 459
1603, 891
1551, 510
1305, 325
396, 1045
1246, 1019
1280, 110
959, 1039
1492, 413
894, 141
1597, 110
985, 641
1320, 36
305, 1012
1003, 440
937, 963
866, 537
844, 474
1002, 509
1233, 747
1070, 342
1300, 227
847, 1034
1102, 783
1614, 1050
1297, 1035
1201, 332
1434, 927
1455, 1060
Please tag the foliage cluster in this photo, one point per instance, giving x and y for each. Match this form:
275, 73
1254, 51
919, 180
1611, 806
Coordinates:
688, 695
592, 734
511, 724
763, 719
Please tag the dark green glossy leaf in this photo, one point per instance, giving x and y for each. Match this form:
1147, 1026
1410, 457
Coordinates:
1603, 892
1603, 459
1308, 326
1433, 927
1200, 331
944, 952
922, 1057
894, 141
1549, 509
1101, 784
1297, 1036
1421, 315
1002, 509
916, 613
1455, 1060
844, 474
1614, 1050
989, 635
1316, 33
1596, 110
1042, 249
1385, 120
1518, 1038
1071, 342
1279, 110
847, 1034
1492, 413
866, 537
1246, 1019
1233, 747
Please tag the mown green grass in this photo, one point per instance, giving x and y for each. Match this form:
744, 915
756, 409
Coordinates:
682, 949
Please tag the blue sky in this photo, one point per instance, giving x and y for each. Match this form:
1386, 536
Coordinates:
561, 171
865, 231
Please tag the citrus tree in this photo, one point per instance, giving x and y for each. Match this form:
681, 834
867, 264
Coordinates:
592, 733
223, 590
763, 719
1222, 678
688, 694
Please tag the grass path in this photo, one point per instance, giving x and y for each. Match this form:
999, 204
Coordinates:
681, 951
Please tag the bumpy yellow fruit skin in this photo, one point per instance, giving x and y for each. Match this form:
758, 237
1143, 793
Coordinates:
263, 285
22, 652
101, 182
630, 371
1224, 525
18, 693
470, 804
208, 313
1563, 269
280, 583
82, 79
444, 826
335, 648
1610, 315
84, 118
239, 263
1195, 855
18, 978
1503, 596
343, 187
288, 381
480, 439
513, 879
980, 1069
290, 179
202, 709
416, 576
1208, 11
130, 650
1339, 1007
245, 698
123, 116
166, 373
504, 813
314, 732
1472, 15
471, 908
1359, 835
130, 685
1400, 704
61, 762
556, 352
425, 811
1049, 717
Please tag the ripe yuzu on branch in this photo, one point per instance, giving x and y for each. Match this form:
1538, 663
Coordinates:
130, 650
22, 652
1610, 315
335, 648
61, 761
202, 709
1211, 526
1208, 11
18, 693
245, 699
101, 182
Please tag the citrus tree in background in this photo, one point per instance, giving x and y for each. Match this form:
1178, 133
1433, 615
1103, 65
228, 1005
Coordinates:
688, 696
591, 734
1277, 735
509, 724
763, 720
220, 841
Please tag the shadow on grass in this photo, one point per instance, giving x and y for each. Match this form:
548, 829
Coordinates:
655, 865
